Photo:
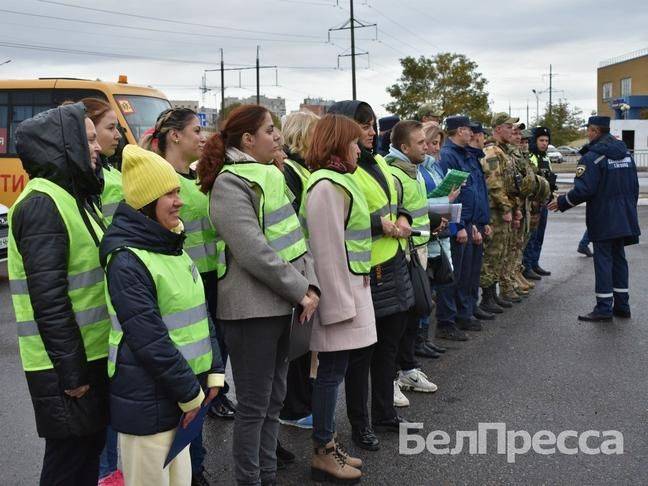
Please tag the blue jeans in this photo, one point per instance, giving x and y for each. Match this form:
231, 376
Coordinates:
585, 241
108, 458
533, 249
330, 373
611, 273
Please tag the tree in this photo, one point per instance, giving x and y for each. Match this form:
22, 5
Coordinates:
565, 122
449, 81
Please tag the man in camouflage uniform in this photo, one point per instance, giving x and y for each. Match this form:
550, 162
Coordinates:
499, 172
533, 191
520, 228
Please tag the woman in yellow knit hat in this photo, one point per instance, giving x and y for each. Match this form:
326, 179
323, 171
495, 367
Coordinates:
162, 350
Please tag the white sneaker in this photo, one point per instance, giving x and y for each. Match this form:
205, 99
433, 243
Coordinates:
400, 400
415, 380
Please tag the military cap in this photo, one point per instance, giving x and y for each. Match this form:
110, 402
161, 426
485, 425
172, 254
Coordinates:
526, 133
520, 125
477, 127
457, 121
537, 132
501, 118
429, 109
599, 121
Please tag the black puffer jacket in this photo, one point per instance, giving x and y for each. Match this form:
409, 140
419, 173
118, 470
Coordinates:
391, 287
151, 377
54, 146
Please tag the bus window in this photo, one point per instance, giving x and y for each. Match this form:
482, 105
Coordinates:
141, 112
4, 111
23, 105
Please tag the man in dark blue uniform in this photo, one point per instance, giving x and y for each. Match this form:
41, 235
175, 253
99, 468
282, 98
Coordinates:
606, 178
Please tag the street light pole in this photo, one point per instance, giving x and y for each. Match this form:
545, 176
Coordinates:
537, 106
6, 62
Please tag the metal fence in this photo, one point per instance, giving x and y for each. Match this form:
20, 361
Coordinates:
641, 158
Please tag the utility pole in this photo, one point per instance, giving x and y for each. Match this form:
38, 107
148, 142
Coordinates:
527, 123
509, 107
353, 60
550, 88
352, 24
258, 79
222, 70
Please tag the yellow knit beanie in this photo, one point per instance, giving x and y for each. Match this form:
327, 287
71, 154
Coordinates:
145, 176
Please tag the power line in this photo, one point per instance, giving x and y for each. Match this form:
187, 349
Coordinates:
174, 21
150, 29
62, 50
321, 4
407, 29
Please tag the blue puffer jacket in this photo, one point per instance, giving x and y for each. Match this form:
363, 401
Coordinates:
606, 178
152, 377
474, 195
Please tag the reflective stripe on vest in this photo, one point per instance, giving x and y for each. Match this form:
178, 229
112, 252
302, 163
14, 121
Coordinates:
112, 193
85, 283
415, 203
383, 248
200, 243
181, 303
277, 217
357, 231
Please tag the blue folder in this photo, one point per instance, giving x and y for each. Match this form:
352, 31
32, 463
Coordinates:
184, 437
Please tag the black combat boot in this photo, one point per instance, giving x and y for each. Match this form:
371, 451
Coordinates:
488, 302
500, 300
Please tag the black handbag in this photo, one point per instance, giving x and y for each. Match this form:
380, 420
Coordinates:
423, 303
439, 269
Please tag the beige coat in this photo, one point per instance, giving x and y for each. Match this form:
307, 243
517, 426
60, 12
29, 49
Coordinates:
345, 316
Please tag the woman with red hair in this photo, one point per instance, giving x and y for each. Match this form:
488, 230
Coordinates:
269, 275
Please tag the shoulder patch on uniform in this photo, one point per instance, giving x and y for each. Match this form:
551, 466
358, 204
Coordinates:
580, 170
492, 162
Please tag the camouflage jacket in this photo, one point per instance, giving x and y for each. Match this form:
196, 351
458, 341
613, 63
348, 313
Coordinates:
499, 172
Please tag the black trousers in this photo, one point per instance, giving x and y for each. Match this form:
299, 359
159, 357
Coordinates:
390, 330
356, 386
299, 392
406, 357
73, 461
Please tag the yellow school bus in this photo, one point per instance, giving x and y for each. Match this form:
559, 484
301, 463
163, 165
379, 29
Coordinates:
137, 108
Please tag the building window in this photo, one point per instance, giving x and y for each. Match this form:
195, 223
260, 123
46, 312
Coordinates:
626, 87
607, 91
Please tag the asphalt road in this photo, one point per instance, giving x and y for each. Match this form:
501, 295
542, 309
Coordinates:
536, 368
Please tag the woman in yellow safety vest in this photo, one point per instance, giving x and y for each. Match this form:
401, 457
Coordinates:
57, 290
391, 289
109, 137
162, 350
297, 130
269, 277
339, 236
179, 138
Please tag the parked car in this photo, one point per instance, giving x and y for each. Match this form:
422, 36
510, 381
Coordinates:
566, 150
4, 231
555, 157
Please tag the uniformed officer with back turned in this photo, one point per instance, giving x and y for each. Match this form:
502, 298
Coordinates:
606, 178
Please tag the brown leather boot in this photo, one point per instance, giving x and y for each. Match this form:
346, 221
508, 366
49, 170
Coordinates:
351, 461
328, 464
519, 283
524, 280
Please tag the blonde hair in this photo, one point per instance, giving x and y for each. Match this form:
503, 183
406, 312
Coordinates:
297, 129
431, 130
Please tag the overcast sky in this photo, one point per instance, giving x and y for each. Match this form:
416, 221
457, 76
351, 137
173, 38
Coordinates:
512, 42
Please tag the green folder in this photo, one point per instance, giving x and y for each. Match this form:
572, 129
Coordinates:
452, 180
